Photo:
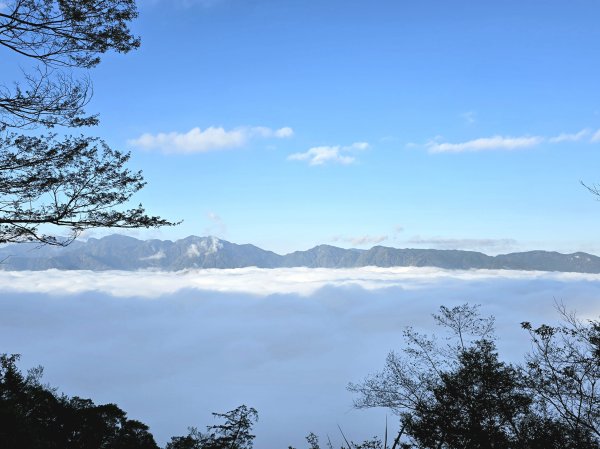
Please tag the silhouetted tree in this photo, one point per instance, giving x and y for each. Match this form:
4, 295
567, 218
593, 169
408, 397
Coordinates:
313, 443
408, 379
74, 183
191, 441
564, 371
59, 34
479, 404
459, 395
34, 416
233, 433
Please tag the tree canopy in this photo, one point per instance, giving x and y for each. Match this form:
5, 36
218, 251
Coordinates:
234, 432
563, 371
458, 394
51, 180
59, 34
35, 416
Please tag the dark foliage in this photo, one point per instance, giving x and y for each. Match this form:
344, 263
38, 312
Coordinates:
459, 395
59, 34
564, 371
476, 405
233, 433
74, 183
34, 416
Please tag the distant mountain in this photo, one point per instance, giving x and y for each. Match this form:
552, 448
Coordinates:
118, 252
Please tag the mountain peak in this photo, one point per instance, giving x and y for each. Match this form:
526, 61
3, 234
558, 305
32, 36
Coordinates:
120, 252
204, 246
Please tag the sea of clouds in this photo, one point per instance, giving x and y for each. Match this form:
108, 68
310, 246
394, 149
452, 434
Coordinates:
169, 348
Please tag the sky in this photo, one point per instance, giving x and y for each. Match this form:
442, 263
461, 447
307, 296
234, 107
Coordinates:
288, 124
170, 348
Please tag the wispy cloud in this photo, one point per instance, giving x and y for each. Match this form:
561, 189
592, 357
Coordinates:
485, 144
213, 138
217, 227
156, 256
469, 117
492, 245
506, 143
330, 154
360, 240
575, 137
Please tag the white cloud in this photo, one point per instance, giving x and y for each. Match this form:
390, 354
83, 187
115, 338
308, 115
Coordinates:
157, 256
498, 142
358, 146
361, 240
284, 132
564, 137
485, 144
255, 281
210, 139
209, 246
192, 251
326, 154
214, 217
217, 227
263, 131
321, 155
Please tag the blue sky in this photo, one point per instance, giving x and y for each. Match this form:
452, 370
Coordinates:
411, 124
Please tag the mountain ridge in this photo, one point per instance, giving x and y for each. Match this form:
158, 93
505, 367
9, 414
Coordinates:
120, 252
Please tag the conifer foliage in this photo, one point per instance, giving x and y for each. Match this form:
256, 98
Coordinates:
51, 182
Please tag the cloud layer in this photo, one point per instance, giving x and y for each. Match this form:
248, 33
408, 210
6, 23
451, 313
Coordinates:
254, 281
210, 139
172, 360
330, 154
